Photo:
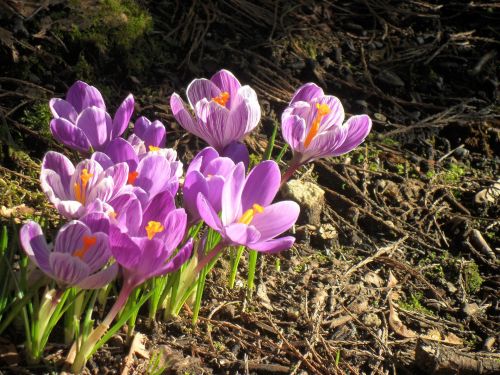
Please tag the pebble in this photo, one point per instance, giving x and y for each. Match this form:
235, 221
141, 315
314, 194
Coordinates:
461, 153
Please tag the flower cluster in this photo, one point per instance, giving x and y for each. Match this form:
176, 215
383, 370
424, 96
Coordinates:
121, 197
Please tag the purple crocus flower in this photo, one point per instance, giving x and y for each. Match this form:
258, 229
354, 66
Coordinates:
146, 248
224, 110
247, 216
206, 174
153, 134
80, 252
153, 172
76, 191
81, 121
313, 126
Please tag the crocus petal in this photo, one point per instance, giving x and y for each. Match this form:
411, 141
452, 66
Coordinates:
93, 168
194, 183
237, 152
294, 131
276, 219
158, 210
122, 116
70, 209
325, 144
96, 222
119, 175
70, 237
242, 234
95, 123
221, 166
103, 190
34, 245
98, 254
124, 249
231, 195
201, 160
102, 159
226, 82
273, 246
81, 96
67, 269
140, 126
99, 279
53, 187
213, 126
215, 184
119, 150
207, 213
153, 174
248, 96
201, 89
182, 115
68, 134
128, 209
262, 185
336, 115
179, 259
358, 127
59, 164
175, 227
62, 108
307, 92
155, 135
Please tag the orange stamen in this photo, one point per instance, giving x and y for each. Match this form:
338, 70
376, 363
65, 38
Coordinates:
88, 242
154, 227
222, 98
112, 214
249, 214
323, 110
79, 188
153, 148
131, 177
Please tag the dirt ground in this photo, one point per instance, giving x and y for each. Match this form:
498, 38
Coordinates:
397, 272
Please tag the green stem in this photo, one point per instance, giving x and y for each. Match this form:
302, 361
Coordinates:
234, 265
96, 334
252, 265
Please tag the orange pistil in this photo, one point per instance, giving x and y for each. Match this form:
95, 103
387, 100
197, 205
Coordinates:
154, 227
153, 148
80, 188
131, 177
88, 242
248, 215
222, 98
323, 110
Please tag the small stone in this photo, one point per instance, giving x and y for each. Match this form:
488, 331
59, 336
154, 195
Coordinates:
488, 344
390, 78
372, 320
488, 195
471, 309
380, 117
461, 153
309, 196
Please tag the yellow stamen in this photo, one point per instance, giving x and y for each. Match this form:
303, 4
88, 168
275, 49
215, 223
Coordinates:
131, 177
79, 188
222, 98
112, 214
323, 110
88, 242
153, 148
153, 227
248, 215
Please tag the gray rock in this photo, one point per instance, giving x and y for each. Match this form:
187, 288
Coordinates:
309, 196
